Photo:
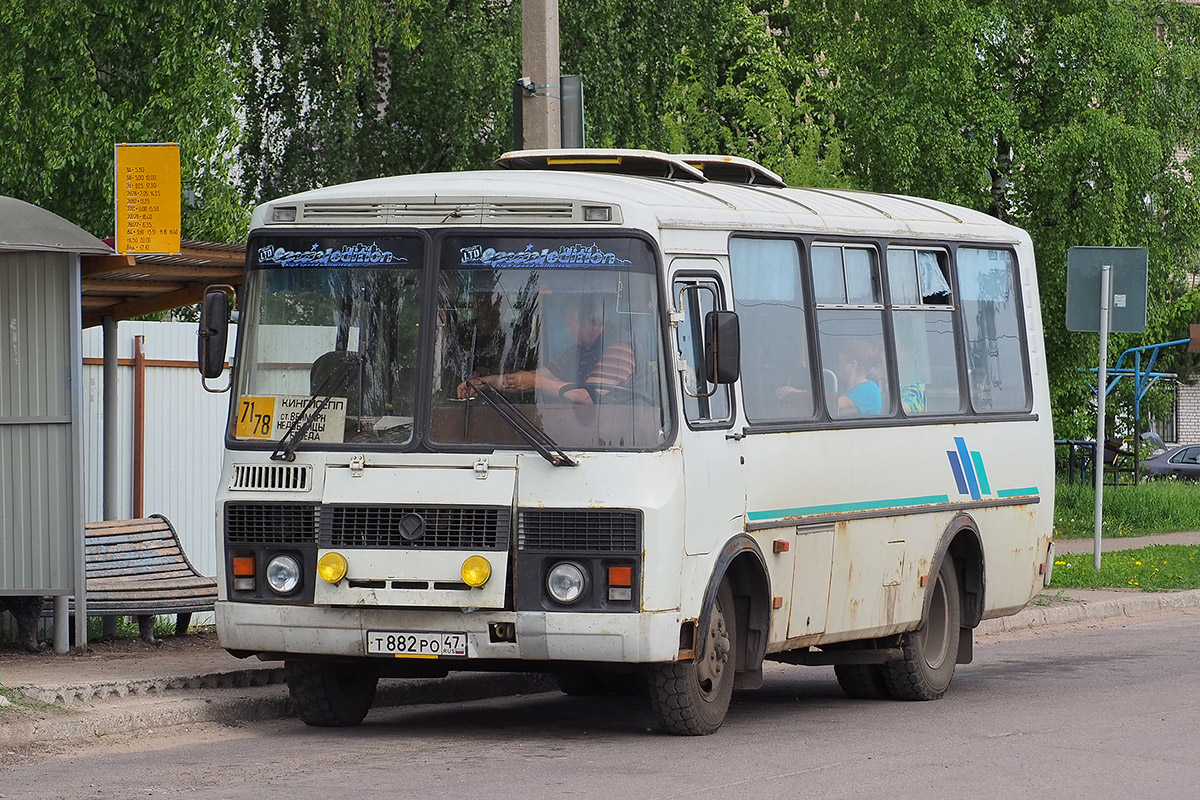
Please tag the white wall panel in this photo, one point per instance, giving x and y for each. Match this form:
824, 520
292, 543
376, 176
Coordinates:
184, 434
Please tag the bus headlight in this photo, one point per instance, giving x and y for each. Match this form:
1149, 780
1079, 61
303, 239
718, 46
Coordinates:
283, 574
332, 567
565, 582
475, 571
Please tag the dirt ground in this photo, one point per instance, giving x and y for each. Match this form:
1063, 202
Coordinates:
116, 647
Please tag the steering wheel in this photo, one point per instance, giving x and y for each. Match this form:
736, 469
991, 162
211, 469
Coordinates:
611, 392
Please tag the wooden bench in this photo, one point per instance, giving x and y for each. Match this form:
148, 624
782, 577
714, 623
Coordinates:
136, 567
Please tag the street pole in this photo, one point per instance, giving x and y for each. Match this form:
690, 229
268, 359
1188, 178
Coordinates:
1101, 391
540, 115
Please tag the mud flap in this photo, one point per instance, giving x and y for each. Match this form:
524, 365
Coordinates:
966, 645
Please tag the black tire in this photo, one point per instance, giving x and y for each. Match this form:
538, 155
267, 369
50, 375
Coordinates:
930, 652
862, 681
331, 694
691, 698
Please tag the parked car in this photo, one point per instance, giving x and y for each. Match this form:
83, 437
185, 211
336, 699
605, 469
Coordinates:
1181, 461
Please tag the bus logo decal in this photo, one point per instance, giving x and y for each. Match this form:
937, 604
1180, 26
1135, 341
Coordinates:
969, 473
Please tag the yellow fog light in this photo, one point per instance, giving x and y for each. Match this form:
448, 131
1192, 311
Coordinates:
332, 567
475, 571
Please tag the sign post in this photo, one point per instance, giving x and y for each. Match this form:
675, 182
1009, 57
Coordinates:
147, 191
1106, 291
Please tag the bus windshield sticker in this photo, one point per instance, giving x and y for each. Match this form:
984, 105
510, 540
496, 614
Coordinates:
357, 254
567, 256
264, 418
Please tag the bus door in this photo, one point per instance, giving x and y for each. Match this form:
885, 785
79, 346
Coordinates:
713, 482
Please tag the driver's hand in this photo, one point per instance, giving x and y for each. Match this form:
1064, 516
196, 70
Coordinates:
578, 396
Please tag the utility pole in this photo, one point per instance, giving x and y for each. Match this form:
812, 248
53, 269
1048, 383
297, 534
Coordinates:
541, 123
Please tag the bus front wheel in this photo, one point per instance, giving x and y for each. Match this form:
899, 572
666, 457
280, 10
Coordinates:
691, 698
331, 694
930, 652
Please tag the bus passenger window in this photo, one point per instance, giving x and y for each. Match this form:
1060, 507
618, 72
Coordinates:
850, 326
768, 296
923, 326
991, 306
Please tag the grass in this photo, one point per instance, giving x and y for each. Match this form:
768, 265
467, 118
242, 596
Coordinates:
1159, 506
1158, 568
1152, 507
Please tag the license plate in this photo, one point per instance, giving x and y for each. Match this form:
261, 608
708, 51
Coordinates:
424, 644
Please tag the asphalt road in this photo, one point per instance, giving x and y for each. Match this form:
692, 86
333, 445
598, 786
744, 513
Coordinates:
1097, 711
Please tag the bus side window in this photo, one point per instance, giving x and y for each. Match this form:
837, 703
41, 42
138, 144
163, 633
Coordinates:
694, 299
923, 327
995, 333
768, 296
850, 329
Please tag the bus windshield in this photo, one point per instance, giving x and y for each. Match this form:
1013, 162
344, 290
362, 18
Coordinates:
330, 340
567, 331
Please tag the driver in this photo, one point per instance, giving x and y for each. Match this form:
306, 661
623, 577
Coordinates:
593, 359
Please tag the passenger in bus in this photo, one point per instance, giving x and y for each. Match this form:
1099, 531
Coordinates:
602, 362
857, 370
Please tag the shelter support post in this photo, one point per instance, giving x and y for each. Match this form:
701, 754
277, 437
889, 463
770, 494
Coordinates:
111, 445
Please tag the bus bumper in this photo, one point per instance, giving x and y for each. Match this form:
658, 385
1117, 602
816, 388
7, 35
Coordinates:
646, 637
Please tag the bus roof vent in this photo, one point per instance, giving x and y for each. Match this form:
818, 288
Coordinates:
733, 169
641, 163
345, 212
473, 211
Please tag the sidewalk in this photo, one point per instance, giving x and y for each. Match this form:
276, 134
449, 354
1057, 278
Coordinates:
128, 685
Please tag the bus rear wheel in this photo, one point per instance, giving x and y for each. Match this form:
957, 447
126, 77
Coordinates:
331, 694
930, 652
691, 698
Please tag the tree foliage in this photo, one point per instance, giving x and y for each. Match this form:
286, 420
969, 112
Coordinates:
78, 78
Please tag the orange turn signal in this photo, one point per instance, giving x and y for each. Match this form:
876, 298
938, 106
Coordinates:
243, 566
620, 576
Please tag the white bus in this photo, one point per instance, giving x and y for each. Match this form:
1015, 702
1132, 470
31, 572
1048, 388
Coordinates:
636, 419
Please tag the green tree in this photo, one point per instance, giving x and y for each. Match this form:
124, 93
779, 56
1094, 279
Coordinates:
1076, 121
76, 79
342, 90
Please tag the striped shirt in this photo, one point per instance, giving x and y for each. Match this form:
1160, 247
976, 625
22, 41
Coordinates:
613, 365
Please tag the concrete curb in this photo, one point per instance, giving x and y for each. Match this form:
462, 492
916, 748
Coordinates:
74, 695
1065, 611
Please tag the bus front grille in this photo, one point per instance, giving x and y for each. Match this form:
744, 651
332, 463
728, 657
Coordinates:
271, 523
579, 530
416, 527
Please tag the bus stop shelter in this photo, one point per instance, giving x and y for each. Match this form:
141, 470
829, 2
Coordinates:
55, 280
41, 486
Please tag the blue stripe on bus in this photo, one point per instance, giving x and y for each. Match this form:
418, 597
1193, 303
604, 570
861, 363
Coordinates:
968, 467
956, 468
834, 508
980, 472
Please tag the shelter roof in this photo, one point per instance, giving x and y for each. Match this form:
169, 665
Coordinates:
29, 228
129, 286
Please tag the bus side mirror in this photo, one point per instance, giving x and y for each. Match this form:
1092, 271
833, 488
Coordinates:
722, 347
213, 335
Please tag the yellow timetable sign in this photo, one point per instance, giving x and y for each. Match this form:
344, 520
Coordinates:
147, 196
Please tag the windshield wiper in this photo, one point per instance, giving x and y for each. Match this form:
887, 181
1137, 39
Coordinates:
286, 450
538, 439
